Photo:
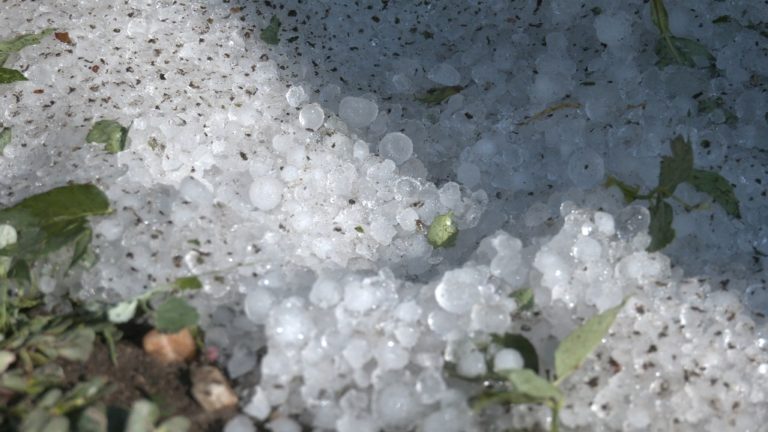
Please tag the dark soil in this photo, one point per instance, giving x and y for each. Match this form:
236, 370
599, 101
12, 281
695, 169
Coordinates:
138, 376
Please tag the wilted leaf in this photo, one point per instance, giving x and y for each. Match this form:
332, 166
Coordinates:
660, 227
717, 187
527, 388
63, 37
142, 417
82, 245
629, 192
522, 345
5, 138
122, 312
18, 43
110, 133
92, 419
677, 168
81, 395
270, 33
443, 232
6, 359
76, 344
175, 424
174, 315
187, 283
436, 95
8, 76
524, 299
575, 348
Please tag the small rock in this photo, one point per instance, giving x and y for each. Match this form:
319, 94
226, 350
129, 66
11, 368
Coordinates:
170, 347
212, 390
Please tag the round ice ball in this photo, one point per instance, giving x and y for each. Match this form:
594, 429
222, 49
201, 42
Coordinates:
290, 324
396, 146
240, 423
311, 116
459, 290
296, 96
586, 168
266, 192
396, 404
507, 359
258, 303
357, 112
444, 74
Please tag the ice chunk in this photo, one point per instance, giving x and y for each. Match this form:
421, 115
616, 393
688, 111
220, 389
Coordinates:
258, 303
471, 364
266, 193
357, 352
468, 174
586, 168
311, 116
193, 190
289, 323
390, 355
613, 29
296, 96
396, 146
357, 112
444, 74
507, 359
239, 423
258, 407
459, 290
283, 424
396, 405
430, 386
325, 293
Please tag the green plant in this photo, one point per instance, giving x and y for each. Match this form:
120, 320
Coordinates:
10, 46
526, 386
674, 170
671, 49
443, 231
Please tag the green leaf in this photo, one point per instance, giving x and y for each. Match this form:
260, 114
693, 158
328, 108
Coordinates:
5, 138
270, 33
436, 95
82, 245
524, 299
187, 283
673, 50
76, 344
575, 348
660, 227
143, 416
359, 229
722, 19
659, 16
8, 76
20, 42
717, 187
83, 394
6, 359
174, 315
443, 232
677, 168
523, 346
527, 388
629, 192
50, 220
92, 419
110, 133
122, 312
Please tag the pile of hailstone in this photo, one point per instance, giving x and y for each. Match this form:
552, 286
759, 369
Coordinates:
297, 181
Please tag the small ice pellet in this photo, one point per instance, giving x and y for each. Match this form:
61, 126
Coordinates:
239, 423
586, 168
396, 146
311, 116
507, 359
266, 193
296, 96
444, 74
357, 112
